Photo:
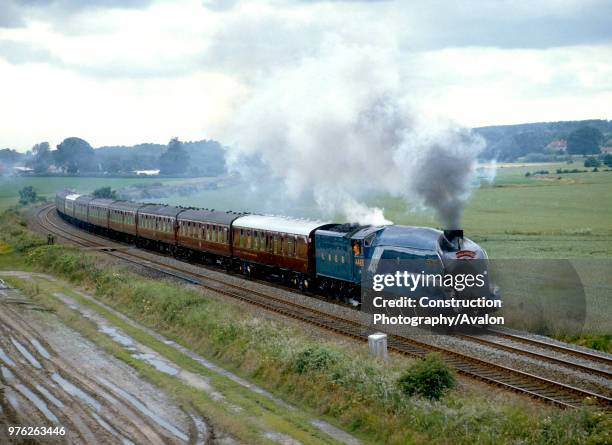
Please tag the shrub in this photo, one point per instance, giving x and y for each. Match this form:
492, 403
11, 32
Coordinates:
429, 377
591, 161
27, 195
314, 358
527, 174
105, 192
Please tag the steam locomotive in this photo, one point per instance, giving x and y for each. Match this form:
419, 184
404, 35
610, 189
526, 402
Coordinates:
323, 257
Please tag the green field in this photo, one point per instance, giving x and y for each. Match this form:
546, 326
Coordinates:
47, 186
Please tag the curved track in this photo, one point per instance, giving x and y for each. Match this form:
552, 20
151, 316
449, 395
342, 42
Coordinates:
541, 388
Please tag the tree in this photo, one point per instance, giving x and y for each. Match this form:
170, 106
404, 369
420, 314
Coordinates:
27, 195
174, 160
105, 192
42, 157
607, 159
75, 155
591, 161
584, 141
10, 156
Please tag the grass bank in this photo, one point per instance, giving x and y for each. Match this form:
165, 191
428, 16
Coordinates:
346, 386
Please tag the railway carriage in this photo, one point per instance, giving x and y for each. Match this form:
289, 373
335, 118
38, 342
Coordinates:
81, 209
280, 245
205, 234
123, 218
98, 214
156, 226
60, 201
69, 204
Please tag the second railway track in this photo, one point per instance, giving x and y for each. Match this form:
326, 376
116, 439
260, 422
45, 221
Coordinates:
519, 381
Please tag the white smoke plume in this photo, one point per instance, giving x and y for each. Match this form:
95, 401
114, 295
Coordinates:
339, 127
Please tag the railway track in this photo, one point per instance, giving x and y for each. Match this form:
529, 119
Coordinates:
544, 356
538, 387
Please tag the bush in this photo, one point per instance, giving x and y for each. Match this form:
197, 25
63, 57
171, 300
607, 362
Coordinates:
27, 195
591, 162
527, 174
607, 159
429, 377
314, 358
105, 192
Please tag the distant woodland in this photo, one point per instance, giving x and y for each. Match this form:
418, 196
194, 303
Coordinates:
536, 142
541, 141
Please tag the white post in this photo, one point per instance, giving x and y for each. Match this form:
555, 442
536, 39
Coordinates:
377, 344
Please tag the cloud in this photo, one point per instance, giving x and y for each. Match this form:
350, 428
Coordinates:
506, 24
476, 61
10, 16
19, 53
14, 13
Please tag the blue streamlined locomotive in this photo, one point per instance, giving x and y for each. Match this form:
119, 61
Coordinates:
320, 256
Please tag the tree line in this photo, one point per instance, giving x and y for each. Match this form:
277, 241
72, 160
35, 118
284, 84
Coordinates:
536, 142
75, 156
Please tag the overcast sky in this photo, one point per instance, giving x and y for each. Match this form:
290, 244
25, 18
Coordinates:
131, 71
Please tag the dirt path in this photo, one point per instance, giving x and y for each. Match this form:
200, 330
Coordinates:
53, 377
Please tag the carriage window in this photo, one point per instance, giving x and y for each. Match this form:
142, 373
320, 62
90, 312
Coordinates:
276, 244
290, 246
225, 235
301, 249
